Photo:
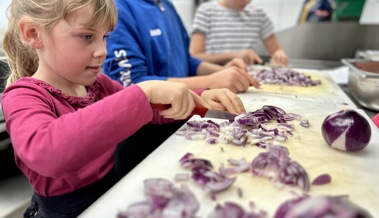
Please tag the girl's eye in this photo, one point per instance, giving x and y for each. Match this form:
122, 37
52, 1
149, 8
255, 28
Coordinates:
87, 37
105, 36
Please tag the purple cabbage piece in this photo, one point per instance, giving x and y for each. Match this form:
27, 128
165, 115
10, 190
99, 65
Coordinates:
322, 179
163, 201
322, 206
276, 165
285, 76
234, 210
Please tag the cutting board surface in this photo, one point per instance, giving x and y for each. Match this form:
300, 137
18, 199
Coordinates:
325, 87
353, 174
327, 92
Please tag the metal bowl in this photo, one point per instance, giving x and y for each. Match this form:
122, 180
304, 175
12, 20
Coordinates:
363, 82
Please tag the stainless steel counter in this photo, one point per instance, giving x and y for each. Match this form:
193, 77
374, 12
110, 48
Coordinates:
314, 64
326, 41
369, 112
328, 65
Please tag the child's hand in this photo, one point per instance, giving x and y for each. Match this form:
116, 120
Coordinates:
249, 57
279, 58
223, 100
181, 99
233, 78
236, 62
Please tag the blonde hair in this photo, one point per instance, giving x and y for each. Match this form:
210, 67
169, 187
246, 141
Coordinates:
23, 60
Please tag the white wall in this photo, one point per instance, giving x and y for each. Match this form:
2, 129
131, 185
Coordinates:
283, 13
3, 18
370, 13
186, 10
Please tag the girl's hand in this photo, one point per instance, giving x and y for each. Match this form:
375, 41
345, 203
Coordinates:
181, 99
223, 100
279, 58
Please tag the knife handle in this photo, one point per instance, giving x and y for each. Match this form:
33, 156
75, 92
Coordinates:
160, 107
198, 110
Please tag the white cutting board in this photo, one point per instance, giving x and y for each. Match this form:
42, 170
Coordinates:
353, 174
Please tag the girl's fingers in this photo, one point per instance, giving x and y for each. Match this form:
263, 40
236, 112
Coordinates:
224, 99
236, 102
183, 109
199, 101
232, 103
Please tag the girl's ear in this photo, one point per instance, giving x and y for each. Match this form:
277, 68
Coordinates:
30, 33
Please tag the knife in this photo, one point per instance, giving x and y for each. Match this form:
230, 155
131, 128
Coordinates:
199, 110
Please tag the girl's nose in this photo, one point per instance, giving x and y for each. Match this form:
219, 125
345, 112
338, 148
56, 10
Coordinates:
101, 49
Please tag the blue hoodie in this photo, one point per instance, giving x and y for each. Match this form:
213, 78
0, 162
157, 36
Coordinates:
150, 42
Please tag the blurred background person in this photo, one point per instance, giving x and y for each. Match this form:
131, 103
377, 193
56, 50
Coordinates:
227, 29
317, 11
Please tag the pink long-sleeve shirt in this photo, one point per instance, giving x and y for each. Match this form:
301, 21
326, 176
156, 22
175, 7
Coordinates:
61, 155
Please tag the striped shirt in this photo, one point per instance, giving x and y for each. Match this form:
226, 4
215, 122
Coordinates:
228, 30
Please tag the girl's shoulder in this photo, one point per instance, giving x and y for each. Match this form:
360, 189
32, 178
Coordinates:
30, 83
28, 89
102, 87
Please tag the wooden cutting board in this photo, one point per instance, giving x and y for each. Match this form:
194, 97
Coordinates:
353, 174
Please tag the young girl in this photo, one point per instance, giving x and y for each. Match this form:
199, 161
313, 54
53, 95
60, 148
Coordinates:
64, 118
227, 29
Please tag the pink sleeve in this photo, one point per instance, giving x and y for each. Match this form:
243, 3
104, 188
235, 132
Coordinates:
47, 142
199, 91
375, 119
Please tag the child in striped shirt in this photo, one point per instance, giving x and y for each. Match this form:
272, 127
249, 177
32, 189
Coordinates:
227, 29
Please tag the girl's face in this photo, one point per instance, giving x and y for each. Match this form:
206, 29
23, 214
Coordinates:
72, 54
237, 5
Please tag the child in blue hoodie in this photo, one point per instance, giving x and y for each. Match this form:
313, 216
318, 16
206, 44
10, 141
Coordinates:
150, 43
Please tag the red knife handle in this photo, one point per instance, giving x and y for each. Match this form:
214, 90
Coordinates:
198, 110
160, 107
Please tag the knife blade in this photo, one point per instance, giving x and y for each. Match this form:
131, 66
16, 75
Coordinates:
220, 114
199, 110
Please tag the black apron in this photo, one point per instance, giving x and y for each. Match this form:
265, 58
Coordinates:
71, 204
